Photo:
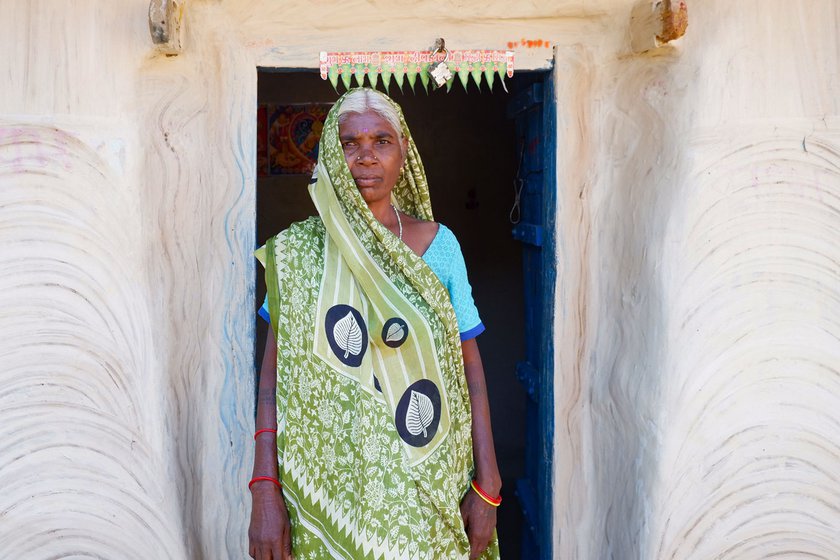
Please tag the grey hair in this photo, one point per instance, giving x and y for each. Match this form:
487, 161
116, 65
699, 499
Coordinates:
362, 100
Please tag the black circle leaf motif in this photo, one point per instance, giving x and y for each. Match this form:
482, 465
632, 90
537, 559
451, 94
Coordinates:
346, 334
394, 332
418, 413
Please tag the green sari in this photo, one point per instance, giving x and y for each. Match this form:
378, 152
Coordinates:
374, 427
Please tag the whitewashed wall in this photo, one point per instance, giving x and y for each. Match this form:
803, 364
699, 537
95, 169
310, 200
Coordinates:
697, 352
125, 324
698, 402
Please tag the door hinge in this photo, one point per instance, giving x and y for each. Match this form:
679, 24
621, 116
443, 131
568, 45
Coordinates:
529, 233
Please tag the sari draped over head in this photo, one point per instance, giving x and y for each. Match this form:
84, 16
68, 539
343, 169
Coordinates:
374, 427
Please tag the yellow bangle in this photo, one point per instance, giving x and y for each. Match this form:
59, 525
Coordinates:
495, 502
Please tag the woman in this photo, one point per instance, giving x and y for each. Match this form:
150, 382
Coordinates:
383, 439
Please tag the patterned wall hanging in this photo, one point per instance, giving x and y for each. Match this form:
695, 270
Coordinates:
287, 137
402, 66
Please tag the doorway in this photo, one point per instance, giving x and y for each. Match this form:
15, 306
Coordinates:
471, 155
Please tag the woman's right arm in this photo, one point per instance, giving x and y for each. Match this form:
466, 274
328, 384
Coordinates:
269, 536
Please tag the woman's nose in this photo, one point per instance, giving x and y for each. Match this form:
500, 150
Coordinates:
365, 154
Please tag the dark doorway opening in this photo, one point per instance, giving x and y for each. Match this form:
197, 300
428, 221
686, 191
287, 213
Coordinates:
469, 150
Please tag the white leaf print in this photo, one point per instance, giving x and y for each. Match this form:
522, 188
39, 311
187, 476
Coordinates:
395, 333
348, 335
420, 413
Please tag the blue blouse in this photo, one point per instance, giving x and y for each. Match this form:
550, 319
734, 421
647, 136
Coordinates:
445, 259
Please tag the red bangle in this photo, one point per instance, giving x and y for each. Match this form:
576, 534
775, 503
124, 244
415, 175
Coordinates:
266, 478
495, 502
273, 431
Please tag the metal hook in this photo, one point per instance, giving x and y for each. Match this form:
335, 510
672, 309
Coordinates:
440, 47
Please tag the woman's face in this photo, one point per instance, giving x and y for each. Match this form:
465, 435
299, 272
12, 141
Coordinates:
374, 153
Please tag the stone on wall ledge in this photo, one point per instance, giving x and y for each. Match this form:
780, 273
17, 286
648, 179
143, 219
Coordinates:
165, 18
655, 23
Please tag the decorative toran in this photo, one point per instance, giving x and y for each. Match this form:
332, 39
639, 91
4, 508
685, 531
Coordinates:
402, 66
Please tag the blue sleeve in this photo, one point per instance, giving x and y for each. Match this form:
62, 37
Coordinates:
445, 258
460, 292
263, 312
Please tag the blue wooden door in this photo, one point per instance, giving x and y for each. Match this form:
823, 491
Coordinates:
532, 109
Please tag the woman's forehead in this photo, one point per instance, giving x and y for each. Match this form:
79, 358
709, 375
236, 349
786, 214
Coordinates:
369, 122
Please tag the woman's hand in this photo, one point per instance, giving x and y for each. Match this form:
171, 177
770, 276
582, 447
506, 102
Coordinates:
479, 521
269, 535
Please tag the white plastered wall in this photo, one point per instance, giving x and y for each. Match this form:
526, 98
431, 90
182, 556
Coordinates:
697, 346
696, 339
126, 321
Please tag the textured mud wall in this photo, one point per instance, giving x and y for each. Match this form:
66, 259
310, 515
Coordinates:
125, 321
84, 466
291, 34
697, 350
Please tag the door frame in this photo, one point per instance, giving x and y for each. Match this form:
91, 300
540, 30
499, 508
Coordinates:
549, 273
543, 502
536, 497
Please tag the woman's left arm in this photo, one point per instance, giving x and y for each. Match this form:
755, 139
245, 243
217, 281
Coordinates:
479, 516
